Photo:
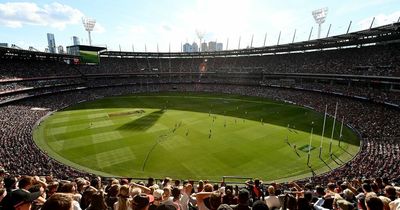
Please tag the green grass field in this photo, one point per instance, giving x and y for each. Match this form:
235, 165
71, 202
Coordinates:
192, 136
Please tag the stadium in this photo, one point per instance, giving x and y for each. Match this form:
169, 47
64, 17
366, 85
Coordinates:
314, 113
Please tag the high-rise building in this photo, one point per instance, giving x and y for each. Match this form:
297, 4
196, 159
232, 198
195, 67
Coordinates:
52, 43
60, 49
195, 47
204, 47
220, 46
212, 46
187, 47
75, 39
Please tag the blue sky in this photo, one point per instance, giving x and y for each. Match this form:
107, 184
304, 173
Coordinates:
149, 23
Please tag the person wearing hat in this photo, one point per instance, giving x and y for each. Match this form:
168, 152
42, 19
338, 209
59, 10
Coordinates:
142, 201
21, 198
157, 194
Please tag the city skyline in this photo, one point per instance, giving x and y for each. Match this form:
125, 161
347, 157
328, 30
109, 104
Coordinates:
170, 24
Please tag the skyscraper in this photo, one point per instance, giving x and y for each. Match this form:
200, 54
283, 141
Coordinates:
52, 43
75, 39
212, 46
204, 47
187, 47
195, 47
60, 49
220, 46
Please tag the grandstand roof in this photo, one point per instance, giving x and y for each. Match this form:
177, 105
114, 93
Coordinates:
88, 47
379, 34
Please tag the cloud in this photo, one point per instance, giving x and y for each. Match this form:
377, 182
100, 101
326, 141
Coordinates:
98, 28
166, 27
380, 19
55, 15
359, 5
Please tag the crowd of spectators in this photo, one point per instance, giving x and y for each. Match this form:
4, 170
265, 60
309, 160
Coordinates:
345, 89
29, 92
143, 65
93, 193
15, 86
378, 60
13, 69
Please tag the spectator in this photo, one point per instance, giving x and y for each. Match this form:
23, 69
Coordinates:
243, 200
256, 189
272, 200
260, 205
124, 201
21, 199
142, 202
229, 198
112, 195
58, 201
157, 194
176, 198
3, 194
215, 201
166, 207
98, 202
228, 207
373, 203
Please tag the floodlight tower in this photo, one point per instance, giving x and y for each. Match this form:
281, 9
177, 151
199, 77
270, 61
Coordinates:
319, 17
89, 23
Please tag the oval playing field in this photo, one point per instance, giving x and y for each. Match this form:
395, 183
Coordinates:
193, 136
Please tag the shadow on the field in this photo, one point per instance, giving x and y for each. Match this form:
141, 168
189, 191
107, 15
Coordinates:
142, 123
326, 164
345, 150
267, 113
312, 171
334, 157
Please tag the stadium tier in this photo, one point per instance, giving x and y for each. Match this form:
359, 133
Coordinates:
369, 60
362, 76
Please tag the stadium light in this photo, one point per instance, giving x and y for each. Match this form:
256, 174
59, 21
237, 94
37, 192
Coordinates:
319, 17
200, 34
89, 24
